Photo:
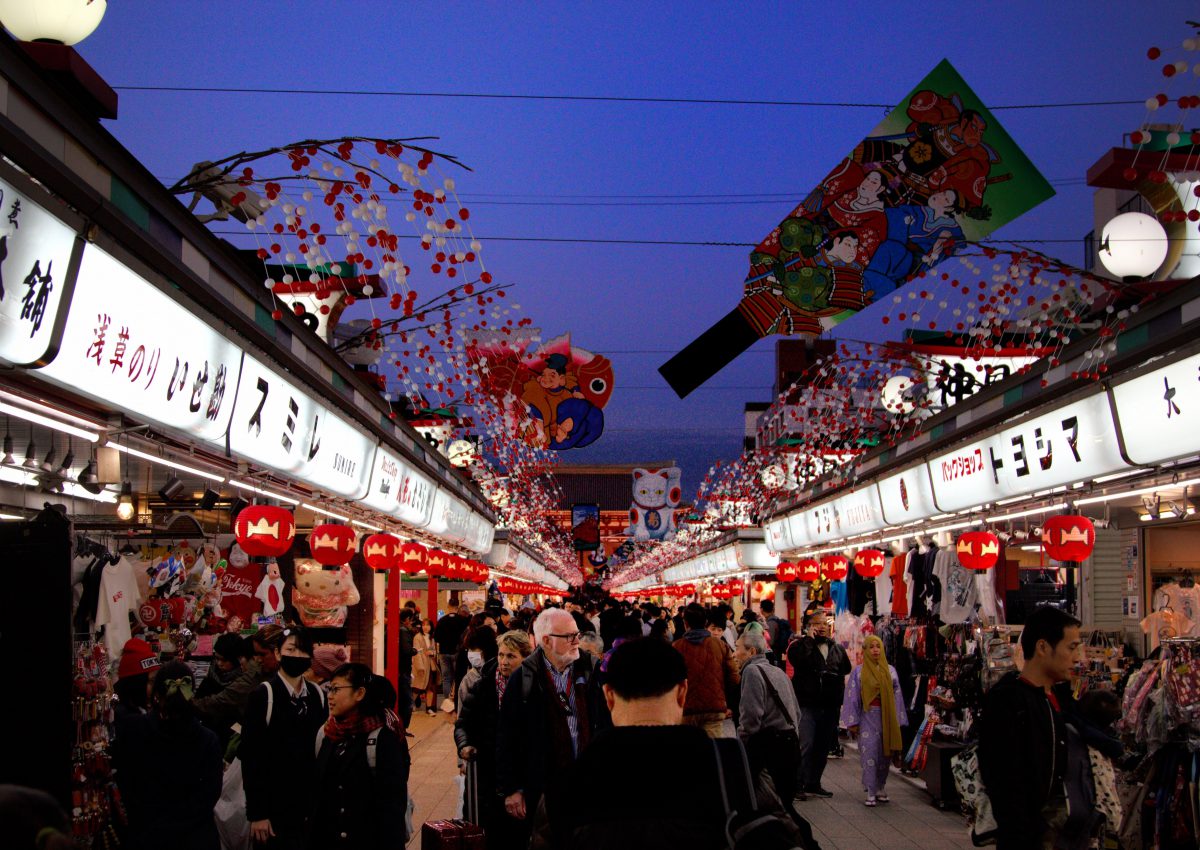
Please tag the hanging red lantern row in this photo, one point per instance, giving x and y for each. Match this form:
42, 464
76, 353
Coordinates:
978, 550
265, 531
332, 545
412, 557
835, 567
808, 570
1068, 538
787, 571
869, 563
435, 562
382, 552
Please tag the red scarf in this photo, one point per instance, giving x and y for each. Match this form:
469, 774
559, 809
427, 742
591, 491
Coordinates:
338, 729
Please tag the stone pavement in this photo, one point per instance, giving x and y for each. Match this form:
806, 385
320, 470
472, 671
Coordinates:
908, 822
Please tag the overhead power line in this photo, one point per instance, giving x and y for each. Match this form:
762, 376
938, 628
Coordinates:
710, 101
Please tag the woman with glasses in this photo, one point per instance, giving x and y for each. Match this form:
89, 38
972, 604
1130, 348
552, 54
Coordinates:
282, 717
362, 766
475, 733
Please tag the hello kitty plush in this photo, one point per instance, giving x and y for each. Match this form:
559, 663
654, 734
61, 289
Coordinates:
321, 595
656, 494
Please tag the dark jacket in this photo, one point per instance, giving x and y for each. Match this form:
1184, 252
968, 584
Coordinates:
448, 633
478, 719
357, 808
168, 813
221, 707
524, 756
1022, 756
818, 681
711, 672
279, 758
610, 624
406, 652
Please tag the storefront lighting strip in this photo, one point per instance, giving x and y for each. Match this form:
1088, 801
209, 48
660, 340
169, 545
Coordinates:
51, 411
162, 461
324, 512
242, 484
1117, 475
1094, 500
366, 525
70, 488
10, 516
39, 419
1031, 512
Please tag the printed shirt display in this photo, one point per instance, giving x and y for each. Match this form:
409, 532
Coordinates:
1184, 601
959, 592
1165, 624
119, 595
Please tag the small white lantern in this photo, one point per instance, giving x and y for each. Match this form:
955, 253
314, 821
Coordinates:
64, 21
1133, 245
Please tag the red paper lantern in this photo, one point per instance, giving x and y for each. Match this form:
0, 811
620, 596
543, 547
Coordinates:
978, 550
869, 563
786, 571
835, 567
1068, 538
435, 562
382, 551
412, 557
737, 587
332, 545
265, 531
808, 570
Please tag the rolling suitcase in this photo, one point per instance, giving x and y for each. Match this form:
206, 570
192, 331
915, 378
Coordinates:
456, 834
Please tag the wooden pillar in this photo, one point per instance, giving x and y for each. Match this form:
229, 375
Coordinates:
431, 599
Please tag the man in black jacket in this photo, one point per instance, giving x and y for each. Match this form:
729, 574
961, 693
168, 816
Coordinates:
1023, 735
550, 711
404, 657
448, 634
610, 621
819, 670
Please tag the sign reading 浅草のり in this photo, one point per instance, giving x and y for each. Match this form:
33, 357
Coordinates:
35, 252
127, 344
1159, 412
399, 490
1073, 443
280, 426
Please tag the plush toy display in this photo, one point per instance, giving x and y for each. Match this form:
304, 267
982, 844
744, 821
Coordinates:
321, 595
656, 494
270, 591
237, 585
166, 577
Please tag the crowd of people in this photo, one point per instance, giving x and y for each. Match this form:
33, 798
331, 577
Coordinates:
554, 713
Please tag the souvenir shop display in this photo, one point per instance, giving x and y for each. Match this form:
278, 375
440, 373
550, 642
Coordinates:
97, 813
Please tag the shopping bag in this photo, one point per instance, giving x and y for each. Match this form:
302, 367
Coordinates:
967, 779
230, 810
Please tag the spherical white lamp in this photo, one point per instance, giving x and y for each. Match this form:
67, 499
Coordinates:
63, 21
1133, 245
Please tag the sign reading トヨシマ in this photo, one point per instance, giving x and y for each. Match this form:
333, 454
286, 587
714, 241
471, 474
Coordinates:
129, 345
35, 250
1073, 443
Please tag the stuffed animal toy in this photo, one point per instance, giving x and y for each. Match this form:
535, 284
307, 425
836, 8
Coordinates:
321, 595
270, 591
167, 577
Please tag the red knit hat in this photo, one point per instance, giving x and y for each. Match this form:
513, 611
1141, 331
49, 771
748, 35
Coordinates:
136, 657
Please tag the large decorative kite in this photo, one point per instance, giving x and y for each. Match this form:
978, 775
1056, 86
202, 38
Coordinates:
939, 170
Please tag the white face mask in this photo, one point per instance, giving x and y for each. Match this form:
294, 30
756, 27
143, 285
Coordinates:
475, 659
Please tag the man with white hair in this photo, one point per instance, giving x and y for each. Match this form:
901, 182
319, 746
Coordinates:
549, 713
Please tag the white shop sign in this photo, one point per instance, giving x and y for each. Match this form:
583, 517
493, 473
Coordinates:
35, 251
1159, 412
907, 496
778, 535
280, 426
1072, 443
129, 345
854, 513
455, 521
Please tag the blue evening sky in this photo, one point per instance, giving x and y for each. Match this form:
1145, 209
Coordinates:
620, 299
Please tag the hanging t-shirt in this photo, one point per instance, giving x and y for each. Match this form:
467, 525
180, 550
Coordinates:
1165, 624
119, 596
1182, 600
985, 590
883, 593
958, 591
900, 589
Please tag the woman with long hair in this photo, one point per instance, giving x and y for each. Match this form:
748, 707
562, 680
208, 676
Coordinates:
475, 734
179, 814
362, 766
874, 711
424, 667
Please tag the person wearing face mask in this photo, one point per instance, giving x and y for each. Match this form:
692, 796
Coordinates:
234, 674
282, 717
819, 670
183, 817
362, 766
550, 712
475, 734
462, 665
481, 647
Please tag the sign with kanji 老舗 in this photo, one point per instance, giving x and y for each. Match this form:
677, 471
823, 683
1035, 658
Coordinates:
35, 257
279, 425
127, 344
937, 172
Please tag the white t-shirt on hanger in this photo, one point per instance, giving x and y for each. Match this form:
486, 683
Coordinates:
118, 596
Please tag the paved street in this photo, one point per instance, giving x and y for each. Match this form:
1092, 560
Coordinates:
908, 822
